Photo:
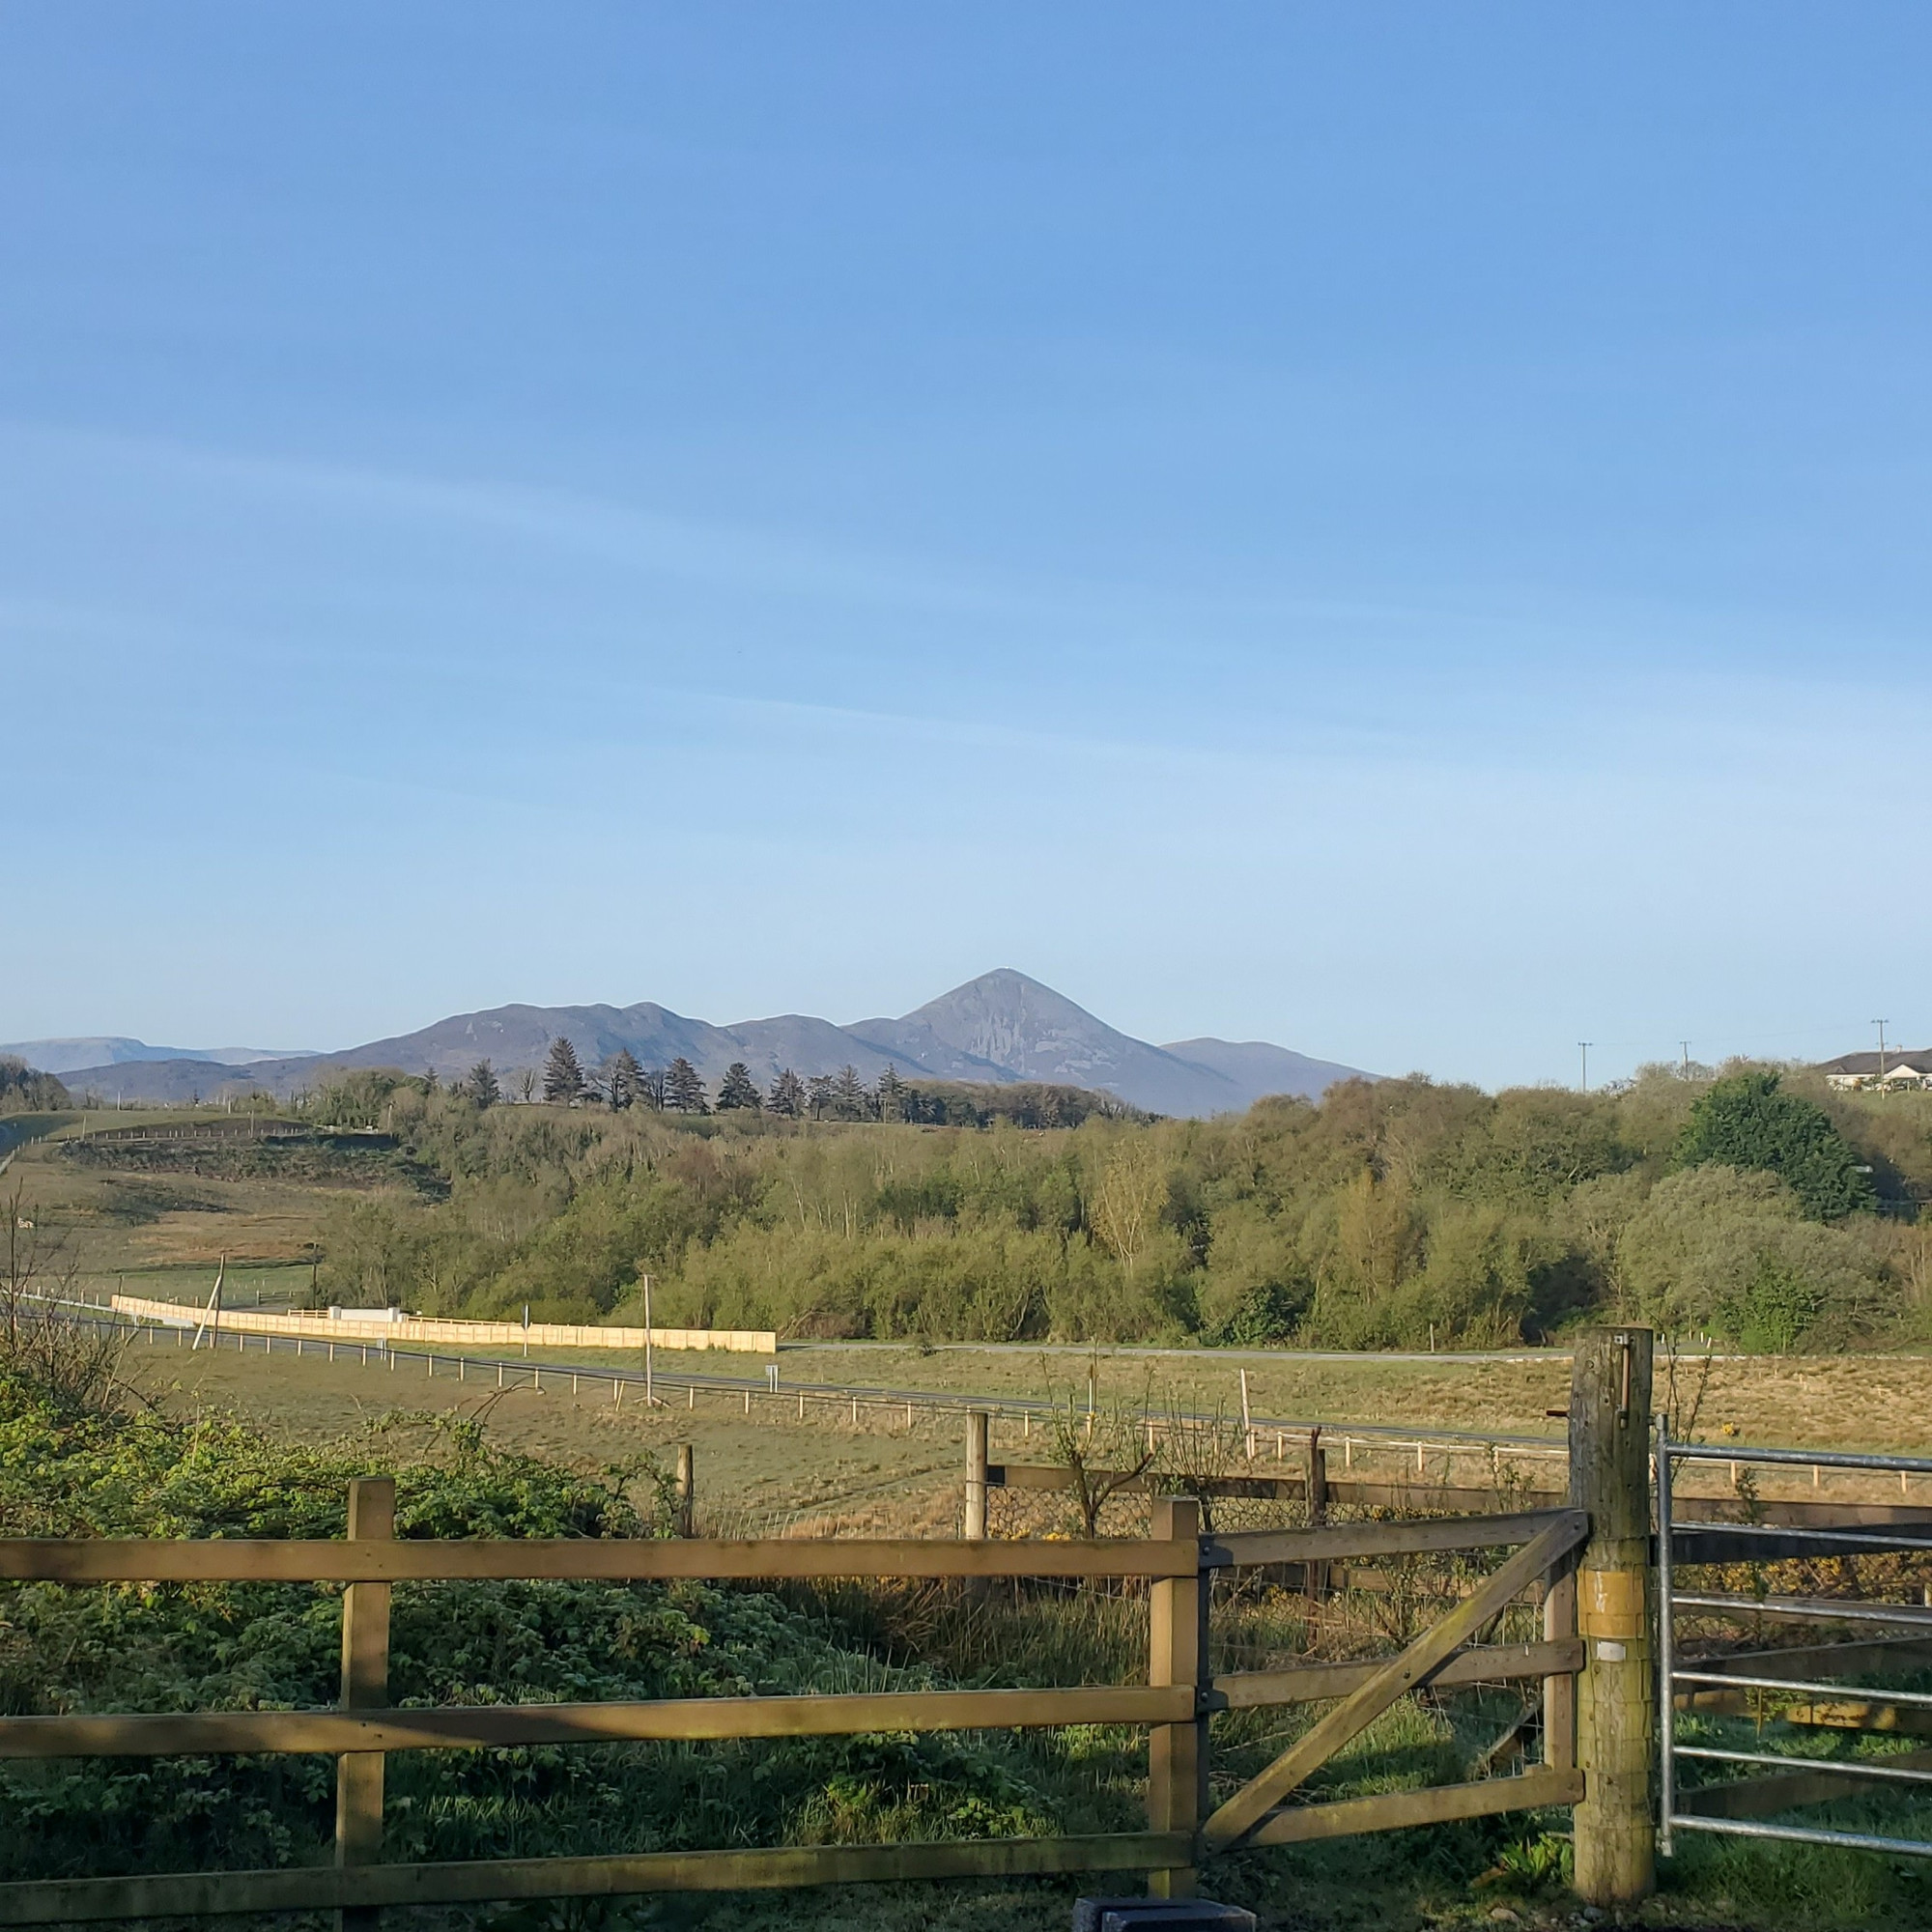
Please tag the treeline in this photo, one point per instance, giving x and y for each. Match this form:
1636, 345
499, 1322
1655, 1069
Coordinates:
1758, 1209
362, 1099
24, 1089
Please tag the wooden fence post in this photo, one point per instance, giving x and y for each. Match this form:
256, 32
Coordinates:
687, 1490
1315, 1575
1317, 1479
976, 1430
1177, 1654
1610, 1477
365, 1685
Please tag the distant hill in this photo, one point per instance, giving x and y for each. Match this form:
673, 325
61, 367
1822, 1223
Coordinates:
92, 1053
1257, 1067
1000, 1027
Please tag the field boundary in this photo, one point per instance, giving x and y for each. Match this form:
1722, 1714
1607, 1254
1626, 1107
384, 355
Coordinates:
1175, 1564
357, 1325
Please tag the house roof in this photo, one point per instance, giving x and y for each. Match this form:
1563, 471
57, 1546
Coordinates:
1865, 1066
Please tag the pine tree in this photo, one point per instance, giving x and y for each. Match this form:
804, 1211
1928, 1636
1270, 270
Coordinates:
623, 1080
787, 1094
483, 1087
849, 1098
889, 1095
737, 1089
684, 1090
563, 1077
818, 1095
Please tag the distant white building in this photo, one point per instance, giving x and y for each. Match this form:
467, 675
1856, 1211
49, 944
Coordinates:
1895, 1067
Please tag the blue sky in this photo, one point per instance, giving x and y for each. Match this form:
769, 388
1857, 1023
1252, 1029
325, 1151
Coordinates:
1401, 531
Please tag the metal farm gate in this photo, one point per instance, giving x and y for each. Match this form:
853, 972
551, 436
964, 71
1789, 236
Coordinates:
1801, 1692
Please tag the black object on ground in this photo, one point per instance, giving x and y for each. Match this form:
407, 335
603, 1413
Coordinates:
1160, 1915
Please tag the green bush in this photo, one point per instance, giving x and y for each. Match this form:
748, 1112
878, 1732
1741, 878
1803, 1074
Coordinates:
1750, 1123
264, 1646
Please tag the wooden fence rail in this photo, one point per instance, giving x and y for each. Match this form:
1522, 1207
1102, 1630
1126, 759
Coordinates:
1344, 1491
1177, 1563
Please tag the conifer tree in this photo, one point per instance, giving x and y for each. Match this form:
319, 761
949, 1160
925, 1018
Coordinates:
563, 1076
818, 1095
787, 1094
889, 1095
737, 1089
684, 1090
849, 1096
484, 1089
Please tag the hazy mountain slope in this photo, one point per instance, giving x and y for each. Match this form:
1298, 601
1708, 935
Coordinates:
1000, 1026
1257, 1069
516, 1037
805, 1045
171, 1083
95, 1051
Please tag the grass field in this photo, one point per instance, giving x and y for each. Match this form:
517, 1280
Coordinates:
756, 1475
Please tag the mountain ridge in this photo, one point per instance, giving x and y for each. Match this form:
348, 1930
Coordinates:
92, 1052
999, 1027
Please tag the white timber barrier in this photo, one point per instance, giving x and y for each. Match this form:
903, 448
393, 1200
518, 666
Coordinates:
379, 1327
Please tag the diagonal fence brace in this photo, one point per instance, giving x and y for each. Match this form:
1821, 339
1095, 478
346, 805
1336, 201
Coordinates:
1242, 1813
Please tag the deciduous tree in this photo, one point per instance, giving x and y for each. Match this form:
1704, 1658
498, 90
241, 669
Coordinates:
623, 1079
1126, 1209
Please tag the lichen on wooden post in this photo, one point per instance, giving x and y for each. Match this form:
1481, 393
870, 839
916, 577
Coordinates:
1610, 1477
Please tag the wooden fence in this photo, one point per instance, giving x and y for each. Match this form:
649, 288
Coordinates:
375, 1327
1177, 1564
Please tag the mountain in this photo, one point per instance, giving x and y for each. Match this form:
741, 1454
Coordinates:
96, 1051
1011, 1027
1257, 1067
1000, 1027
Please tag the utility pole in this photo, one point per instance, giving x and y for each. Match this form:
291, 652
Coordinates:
1881, 1025
1587, 1045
